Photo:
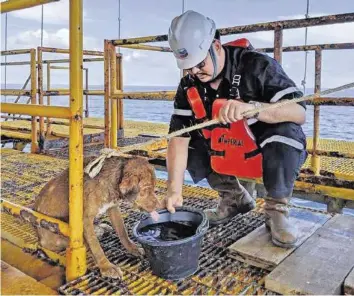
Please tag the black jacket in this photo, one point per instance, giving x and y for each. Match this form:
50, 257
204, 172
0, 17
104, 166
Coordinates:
250, 76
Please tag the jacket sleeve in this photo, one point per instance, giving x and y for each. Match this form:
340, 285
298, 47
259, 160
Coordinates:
182, 116
274, 83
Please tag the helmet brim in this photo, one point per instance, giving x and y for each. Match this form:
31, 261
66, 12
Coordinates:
189, 63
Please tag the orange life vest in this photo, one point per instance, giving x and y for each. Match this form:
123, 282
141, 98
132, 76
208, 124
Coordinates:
233, 146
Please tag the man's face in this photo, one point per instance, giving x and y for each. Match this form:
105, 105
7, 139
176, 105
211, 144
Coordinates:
205, 69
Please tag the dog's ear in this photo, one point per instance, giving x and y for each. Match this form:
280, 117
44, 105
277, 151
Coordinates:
129, 187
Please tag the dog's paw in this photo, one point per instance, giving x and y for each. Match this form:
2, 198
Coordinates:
112, 271
136, 251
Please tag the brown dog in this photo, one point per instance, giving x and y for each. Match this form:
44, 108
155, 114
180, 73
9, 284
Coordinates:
132, 179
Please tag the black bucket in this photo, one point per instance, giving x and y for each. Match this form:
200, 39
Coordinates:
176, 259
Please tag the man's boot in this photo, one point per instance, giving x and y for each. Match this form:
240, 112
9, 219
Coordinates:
277, 221
229, 206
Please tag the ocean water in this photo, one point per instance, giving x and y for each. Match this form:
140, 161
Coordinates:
336, 122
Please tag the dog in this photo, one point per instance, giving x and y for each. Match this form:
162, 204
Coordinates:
121, 178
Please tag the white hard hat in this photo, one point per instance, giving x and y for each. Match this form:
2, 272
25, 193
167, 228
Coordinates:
190, 37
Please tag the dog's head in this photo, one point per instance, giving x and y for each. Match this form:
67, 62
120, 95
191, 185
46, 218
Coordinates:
138, 184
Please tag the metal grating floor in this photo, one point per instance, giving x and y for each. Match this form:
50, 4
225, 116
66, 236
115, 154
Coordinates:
335, 147
19, 129
342, 168
23, 176
18, 232
58, 130
217, 273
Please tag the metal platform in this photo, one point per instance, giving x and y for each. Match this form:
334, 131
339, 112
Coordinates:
341, 168
24, 175
20, 129
336, 159
60, 127
335, 148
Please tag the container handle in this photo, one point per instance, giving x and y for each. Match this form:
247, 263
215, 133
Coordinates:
203, 226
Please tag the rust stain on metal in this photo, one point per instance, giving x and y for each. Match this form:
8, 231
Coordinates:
290, 24
286, 24
159, 95
334, 101
77, 117
336, 154
52, 93
37, 222
328, 46
146, 47
326, 179
157, 38
327, 174
53, 227
316, 120
278, 43
29, 217
15, 51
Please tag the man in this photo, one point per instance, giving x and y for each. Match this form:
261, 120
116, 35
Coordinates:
248, 80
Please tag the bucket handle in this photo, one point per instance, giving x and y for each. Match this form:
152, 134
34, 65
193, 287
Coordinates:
203, 226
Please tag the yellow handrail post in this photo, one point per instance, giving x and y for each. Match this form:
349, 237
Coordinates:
36, 110
12, 5
76, 252
19, 96
40, 92
113, 84
34, 141
315, 160
48, 98
278, 44
120, 87
87, 96
107, 96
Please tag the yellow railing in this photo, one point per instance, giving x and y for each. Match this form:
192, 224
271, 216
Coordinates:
277, 27
49, 92
33, 94
113, 85
58, 226
12, 5
113, 92
76, 252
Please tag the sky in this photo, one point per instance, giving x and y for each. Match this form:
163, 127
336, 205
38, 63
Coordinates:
153, 17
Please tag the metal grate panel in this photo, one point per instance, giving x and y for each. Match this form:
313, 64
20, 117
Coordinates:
217, 273
18, 232
335, 147
24, 175
342, 168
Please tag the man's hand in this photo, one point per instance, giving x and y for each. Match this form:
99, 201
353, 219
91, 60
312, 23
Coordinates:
232, 111
173, 200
